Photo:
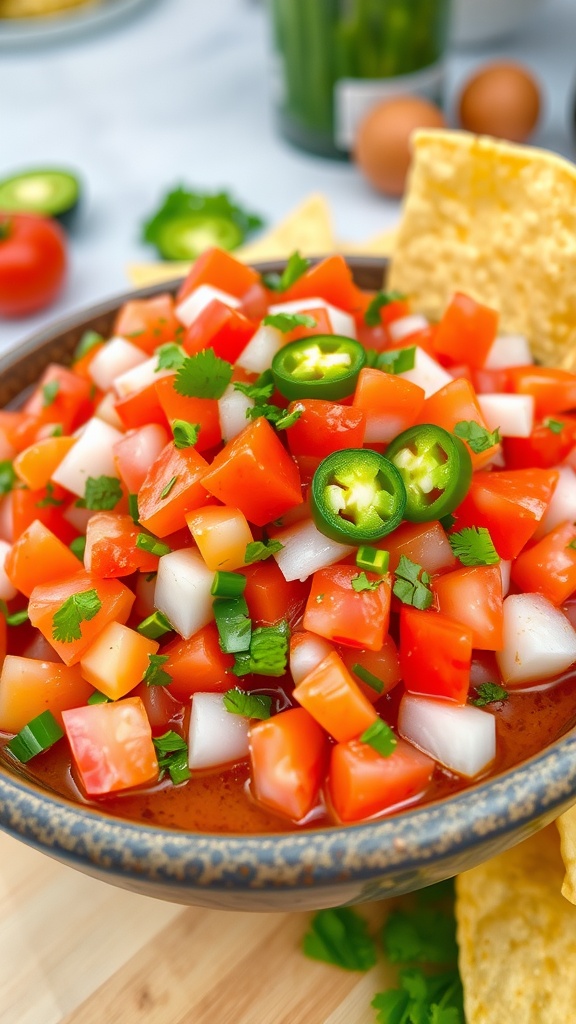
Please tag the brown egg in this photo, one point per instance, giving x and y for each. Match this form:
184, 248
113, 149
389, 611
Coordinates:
502, 99
382, 147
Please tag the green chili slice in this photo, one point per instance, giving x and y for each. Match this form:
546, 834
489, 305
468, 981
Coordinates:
357, 496
436, 469
320, 366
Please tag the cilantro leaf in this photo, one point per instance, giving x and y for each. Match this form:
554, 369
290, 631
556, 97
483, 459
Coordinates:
280, 418
473, 546
295, 267
166, 490
268, 652
425, 934
288, 321
260, 389
340, 937
101, 493
49, 498
556, 426
437, 999
155, 675
78, 546
76, 609
361, 582
185, 434
172, 754
251, 705
488, 693
380, 737
478, 437
372, 315
203, 375
7, 477
412, 584
88, 341
259, 550
170, 357
50, 392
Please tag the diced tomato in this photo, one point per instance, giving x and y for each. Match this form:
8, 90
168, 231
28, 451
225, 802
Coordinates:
329, 279
549, 567
222, 535
148, 323
466, 331
435, 654
202, 411
111, 745
111, 548
141, 407
45, 505
510, 504
322, 325
220, 328
472, 595
46, 599
382, 665
221, 270
115, 662
325, 427
270, 598
28, 687
340, 613
61, 396
36, 464
38, 556
390, 403
553, 390
163, 711
331, 696
426, 544
198, 665
255, 472
549, 444
288, 754
172, 487
136, 451
453, 403
363, 784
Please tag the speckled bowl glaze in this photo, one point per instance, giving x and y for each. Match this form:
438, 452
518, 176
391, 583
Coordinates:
287, 871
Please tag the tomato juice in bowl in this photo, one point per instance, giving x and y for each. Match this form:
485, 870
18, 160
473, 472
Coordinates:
220, 838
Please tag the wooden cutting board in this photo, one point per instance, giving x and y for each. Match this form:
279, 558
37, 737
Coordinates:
73, 949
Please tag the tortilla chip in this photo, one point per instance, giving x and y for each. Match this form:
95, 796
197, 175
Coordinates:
567, 828
381, 244
497, 221
517, 937
141, 275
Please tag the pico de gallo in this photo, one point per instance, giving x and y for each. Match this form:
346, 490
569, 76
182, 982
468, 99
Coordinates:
279, 553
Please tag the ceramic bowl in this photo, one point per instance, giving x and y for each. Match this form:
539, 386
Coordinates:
284, 871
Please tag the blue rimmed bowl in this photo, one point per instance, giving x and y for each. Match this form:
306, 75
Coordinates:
284, 871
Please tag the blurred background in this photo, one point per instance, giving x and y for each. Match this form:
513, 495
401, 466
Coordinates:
138, 97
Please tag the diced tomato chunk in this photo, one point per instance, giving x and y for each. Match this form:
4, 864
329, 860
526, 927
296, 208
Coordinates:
198, 665
29, 686
452, 404
201, 411
466, 331
472, 595
111, 745
111, 548
38, 556
288, 754
148, 323
331, 696
61, 396
363, 784
270, 598
329, 279
325, 427
340, 613
220, 328
172, 487
549, 567
553, 390
221, 270
426, 544
435, 654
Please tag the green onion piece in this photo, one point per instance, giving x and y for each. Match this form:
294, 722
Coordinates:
154, 626
228, 584
98, 698
368, 678
38, 735
87, 342
149, 543
13, 618
233, 623
133, 507
372, 559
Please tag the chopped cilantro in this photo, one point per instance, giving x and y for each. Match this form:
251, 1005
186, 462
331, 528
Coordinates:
7, 476
367, 677
147, 542
133, 507
488, 693
422, 999
473, 546
49, 498
155, 675
288, 321
397, 360
49, 392
172, 754
88, 341
340, 937
372, 315
412, 584
76, 609
13, 618
280, 418
185, 434
380, 737
259, 550
102, 493
260, 389
203, 375
251, 705
425, 934
267, 654
170, 357
361, 582
166, 490
556, 426
295, 267
478, 437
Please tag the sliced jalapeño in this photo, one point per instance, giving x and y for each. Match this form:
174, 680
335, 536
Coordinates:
357, 496
436, 469
319, 366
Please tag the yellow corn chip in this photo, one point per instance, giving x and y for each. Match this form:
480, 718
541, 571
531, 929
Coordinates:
498, 222
307, 228
141, 275
567, 828
517, 937
381, 244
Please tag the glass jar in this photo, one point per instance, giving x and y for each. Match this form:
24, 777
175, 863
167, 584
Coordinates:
333, 59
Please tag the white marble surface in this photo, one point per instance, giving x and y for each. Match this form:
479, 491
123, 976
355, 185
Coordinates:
178, 91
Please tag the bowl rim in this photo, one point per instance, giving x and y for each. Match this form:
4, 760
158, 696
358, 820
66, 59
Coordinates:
514, 803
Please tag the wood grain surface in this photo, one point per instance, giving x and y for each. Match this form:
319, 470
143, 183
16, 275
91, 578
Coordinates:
73, 949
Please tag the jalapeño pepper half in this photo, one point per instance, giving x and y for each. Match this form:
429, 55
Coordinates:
436, 469
357, 496
321, 366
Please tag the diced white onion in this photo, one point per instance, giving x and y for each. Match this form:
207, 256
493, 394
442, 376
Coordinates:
106, 410
404, 326
305, 550
427, 373
562, 507
216, 736
539, 641
139, 377
182, 590
232, 409
508, 350
505, 568
199, 298
7, 589
512, 415
307, 650
342, 322
258, 354
461, 737
92, 455
112, 359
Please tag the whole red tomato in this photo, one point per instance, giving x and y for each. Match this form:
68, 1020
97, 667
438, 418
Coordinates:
32, 263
